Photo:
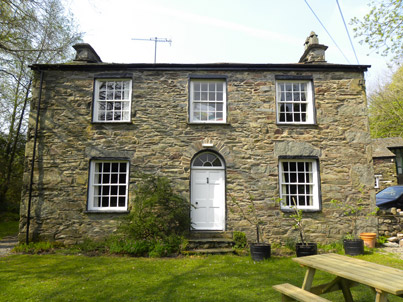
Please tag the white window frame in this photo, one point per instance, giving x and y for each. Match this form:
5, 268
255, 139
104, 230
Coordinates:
377, 181
204, 103
288, 99
112, 99
313, 183
96, 192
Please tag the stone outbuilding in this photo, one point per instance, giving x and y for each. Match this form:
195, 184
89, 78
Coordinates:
388, 161
297, 131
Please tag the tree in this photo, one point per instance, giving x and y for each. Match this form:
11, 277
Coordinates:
382, 28
386, 108
31, 32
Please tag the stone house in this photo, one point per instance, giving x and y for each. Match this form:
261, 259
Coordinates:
388, 162
296, 131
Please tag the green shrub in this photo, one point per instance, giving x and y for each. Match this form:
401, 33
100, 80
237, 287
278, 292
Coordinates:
131, 247
240, 240
89, 245
158, 212
37, 247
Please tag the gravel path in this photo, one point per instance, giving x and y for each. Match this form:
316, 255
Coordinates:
7, 244
398, 251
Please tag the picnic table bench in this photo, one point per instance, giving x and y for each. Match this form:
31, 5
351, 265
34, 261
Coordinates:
350, 272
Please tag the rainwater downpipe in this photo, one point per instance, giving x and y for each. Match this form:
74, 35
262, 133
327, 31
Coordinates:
33, 159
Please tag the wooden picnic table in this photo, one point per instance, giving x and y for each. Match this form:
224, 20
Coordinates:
350, 272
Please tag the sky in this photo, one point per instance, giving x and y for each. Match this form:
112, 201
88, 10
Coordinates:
211, 31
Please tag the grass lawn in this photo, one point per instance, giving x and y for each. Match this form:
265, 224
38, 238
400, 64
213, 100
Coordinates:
213, 278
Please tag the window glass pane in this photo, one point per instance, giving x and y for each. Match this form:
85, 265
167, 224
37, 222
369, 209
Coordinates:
102, 95
117, 116
219, 116
196, 86
203, 96
217, 163
106, 167
211, 96
109, 116
211, 87
105, 202
122, 190
114, 201
102, 86
122, 201
114, 190
105, 178
196, 116
288, 87
204, 87
211, 116
219, 106
109, 95
118, 95
198, 162
196, 96
303, 97
110, 85
220, 86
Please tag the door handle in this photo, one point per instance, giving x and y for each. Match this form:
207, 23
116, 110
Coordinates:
197, 202
207, 180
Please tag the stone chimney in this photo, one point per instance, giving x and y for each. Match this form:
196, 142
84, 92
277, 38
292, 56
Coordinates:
314, 52
85, 53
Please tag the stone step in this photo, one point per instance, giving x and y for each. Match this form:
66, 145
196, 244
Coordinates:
206, 243
210, 243
210, 234
209, 251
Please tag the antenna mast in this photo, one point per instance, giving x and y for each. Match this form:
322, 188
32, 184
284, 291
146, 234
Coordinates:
156, 40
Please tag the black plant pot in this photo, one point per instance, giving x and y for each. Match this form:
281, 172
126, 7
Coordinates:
353, 247
307, 249
260, 251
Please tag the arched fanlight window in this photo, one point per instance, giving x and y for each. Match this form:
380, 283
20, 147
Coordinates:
207, 160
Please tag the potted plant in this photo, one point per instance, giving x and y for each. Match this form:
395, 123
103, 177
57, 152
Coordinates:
353, 245
258, 250
302, 248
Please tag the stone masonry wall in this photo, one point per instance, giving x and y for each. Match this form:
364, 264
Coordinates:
160, 140
386, 168
389, 225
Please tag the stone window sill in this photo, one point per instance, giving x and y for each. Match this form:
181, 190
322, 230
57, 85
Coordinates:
106, 212
208, 124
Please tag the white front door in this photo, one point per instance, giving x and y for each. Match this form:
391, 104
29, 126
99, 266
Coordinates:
208, 199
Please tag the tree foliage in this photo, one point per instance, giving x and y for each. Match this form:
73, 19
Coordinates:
31, 32
382, 28
386, 108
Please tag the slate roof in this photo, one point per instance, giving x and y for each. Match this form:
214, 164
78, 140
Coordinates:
380, 146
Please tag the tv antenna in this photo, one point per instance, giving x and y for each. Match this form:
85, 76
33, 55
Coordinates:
156, 40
